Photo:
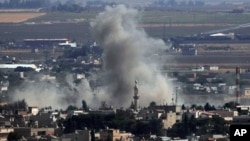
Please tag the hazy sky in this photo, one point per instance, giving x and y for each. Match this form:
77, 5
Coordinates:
147, 2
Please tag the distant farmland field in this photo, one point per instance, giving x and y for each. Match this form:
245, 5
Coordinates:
192, 17
17, 17
76, 26
158, 17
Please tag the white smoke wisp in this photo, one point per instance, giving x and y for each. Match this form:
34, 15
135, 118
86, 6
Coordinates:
127, 56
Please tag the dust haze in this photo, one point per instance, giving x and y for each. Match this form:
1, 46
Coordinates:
44, 93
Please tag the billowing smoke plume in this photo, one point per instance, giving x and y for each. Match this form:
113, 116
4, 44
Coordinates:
128, 56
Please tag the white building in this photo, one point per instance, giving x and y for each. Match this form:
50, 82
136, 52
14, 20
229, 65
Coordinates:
246, 91
33, 110
68, 44
214, 68
48, 77
71, 113
14, 66
200, 68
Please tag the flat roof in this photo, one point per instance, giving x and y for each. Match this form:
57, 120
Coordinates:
13, 66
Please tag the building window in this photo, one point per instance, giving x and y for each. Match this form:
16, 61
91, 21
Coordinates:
41, 133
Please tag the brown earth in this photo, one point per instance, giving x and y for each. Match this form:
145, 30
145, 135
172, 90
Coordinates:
14, 17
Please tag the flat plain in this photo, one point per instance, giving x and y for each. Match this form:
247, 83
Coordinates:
160, 24
17, 17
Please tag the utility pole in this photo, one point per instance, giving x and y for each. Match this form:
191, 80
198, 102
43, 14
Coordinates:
176, 90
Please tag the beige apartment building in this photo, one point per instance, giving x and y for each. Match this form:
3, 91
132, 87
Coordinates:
114, 135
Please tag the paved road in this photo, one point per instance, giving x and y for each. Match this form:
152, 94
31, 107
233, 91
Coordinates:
228, 29
224, 60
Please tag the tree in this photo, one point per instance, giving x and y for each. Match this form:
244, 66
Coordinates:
2, 76
194, 106
208, 107
14, 79
199, 107
155, 126
109, 138
23, 69
201, 79
183, 107
71, 107
13, 136
230, 105
22, 104
220, 125
85, 106
141, 125
152, 104
15, 106
92, 133
200, 126
178, 130
182, 78
99, 121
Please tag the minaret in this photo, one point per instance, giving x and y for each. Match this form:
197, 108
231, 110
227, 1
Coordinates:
136, 96
238, 85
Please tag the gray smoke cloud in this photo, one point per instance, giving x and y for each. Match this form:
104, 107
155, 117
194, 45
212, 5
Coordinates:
128, 55
44, 93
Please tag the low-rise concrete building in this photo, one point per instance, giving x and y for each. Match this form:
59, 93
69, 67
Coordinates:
114, 135
79, 135
226, 114
169, 119
71, 113
243, 119
33, 110
246, 91
169, 114
4, 132
28, 132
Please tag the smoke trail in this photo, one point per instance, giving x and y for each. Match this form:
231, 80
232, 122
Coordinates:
128, 56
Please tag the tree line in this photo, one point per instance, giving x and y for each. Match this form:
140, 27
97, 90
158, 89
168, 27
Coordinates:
97, 122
